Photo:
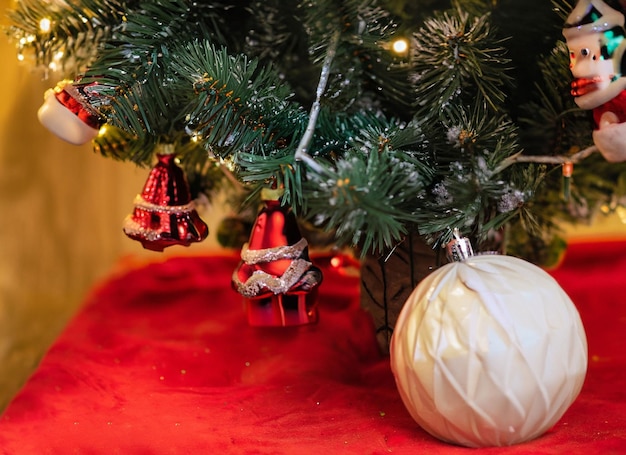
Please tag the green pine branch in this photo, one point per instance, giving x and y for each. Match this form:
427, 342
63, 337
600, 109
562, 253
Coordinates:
368, 197
308, 96
455, 58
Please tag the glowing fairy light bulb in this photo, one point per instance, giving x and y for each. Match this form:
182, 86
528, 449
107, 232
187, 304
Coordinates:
45, 25
27, 40
54, 64
400, 46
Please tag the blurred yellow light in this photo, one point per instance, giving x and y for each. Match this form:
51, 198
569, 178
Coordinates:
400, 46
27, 39
45, 25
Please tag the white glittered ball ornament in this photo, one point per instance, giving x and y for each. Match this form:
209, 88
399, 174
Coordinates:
488, 351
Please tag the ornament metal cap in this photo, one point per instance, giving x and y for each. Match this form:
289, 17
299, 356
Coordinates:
459, 248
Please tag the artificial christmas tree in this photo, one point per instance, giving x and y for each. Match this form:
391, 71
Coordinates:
385, 147
460, 128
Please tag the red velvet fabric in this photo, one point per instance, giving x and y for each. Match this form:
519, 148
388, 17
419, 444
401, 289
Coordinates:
160, 360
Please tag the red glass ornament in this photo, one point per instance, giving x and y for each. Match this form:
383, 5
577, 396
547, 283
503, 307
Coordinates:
276, 277
164, 213
70, 97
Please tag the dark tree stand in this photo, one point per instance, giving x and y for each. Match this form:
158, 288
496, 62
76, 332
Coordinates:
388, 279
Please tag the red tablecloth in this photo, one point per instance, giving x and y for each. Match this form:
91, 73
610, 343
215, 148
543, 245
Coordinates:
161, 361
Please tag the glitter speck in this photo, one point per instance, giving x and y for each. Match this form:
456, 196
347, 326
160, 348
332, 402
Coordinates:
247, 364
162, 378
183, 371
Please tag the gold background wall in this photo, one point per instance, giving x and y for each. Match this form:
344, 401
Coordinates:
61, 210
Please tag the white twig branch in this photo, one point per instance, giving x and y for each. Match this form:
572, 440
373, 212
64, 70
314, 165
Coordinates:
561, 159
302, 150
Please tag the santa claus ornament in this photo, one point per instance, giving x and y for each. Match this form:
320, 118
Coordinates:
595, 36
488, 351
276, 277
164, 214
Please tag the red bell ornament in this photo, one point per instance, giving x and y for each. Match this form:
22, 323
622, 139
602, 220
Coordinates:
164, 213
67, 114
275, 276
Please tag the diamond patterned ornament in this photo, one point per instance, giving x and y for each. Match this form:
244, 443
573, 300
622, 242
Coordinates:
488, 351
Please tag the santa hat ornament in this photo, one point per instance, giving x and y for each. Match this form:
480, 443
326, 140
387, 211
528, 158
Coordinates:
275, 276
67, 113
164, 213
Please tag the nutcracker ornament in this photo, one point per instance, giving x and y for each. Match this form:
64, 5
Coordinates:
488, 350
595, 34
275, 276
164, 214
67, 113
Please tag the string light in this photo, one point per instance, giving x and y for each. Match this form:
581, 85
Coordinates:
400, 46
45, 25
27, 40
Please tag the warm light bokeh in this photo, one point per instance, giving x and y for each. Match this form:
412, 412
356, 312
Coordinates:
61, 214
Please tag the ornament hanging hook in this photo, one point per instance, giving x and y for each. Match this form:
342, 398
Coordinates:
459, 248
